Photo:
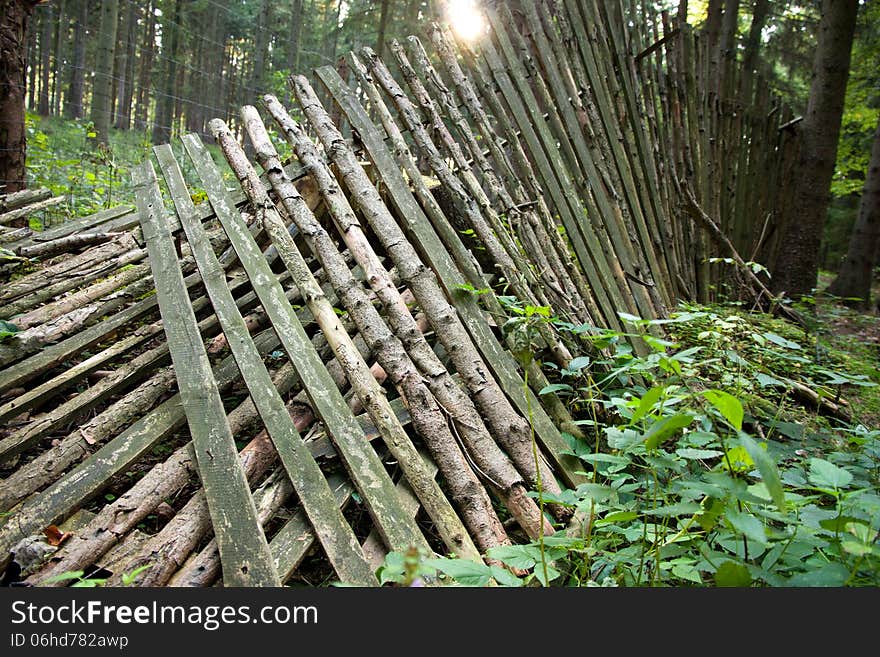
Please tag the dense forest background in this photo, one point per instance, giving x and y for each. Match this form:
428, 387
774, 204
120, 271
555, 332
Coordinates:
130, 73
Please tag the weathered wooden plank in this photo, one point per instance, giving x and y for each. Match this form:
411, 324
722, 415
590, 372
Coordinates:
295, 539
439, 260
12, 215
361, 460
243, 546
84, 223
337, 538
559, 187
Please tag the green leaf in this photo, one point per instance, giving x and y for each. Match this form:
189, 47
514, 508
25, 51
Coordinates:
695, 454
617, 517
767, 468
505, 577
552, 574
825, 474
579, 363
647, 403
837, 524
63, 577
857, 549
731, 573
728, 405
463, 571
665, 428
782, 342
747, 525
555, 387
632, 319
128, 578
831, 574
672, 510
687, 572
766, 381
621, 438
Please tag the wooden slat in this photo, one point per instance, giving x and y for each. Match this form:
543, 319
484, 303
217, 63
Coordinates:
337, 538
243, 547
438, 258
362, 462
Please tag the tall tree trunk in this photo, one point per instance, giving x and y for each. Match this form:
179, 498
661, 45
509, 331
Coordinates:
103, 85
682, 12
61, 27
196, 90
383, 26
165, 103
218, 67
145, 76
293, 37
331, 30
14, 15
119, 51
753, 40
45, 52
712, 26
123, 114
258, 73
798, 262
729, 24
126, 35
31, 64
73, 103
854, 278
179, 99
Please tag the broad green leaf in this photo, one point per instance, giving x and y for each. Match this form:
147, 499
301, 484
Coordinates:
709, 518
767, 468
731, 573
687, 572
555, 387
729, 406
672, 510
579, 363
857, 549
825, 474
617, 517
463, 571
791, 430
552, 574
516, 556
505, 577
747, 525
831, 574
632, 319
782, 342
621, 438
695, 454
838, 523
665, 428
647, 403
861, 531
765, 381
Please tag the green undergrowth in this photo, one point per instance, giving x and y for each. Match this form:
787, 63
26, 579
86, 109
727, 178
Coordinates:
705, 466
62, 157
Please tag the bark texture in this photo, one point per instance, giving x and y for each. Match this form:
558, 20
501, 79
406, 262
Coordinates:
798, 264
854, 279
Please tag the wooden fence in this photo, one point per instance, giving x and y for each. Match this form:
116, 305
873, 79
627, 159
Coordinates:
327, 354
